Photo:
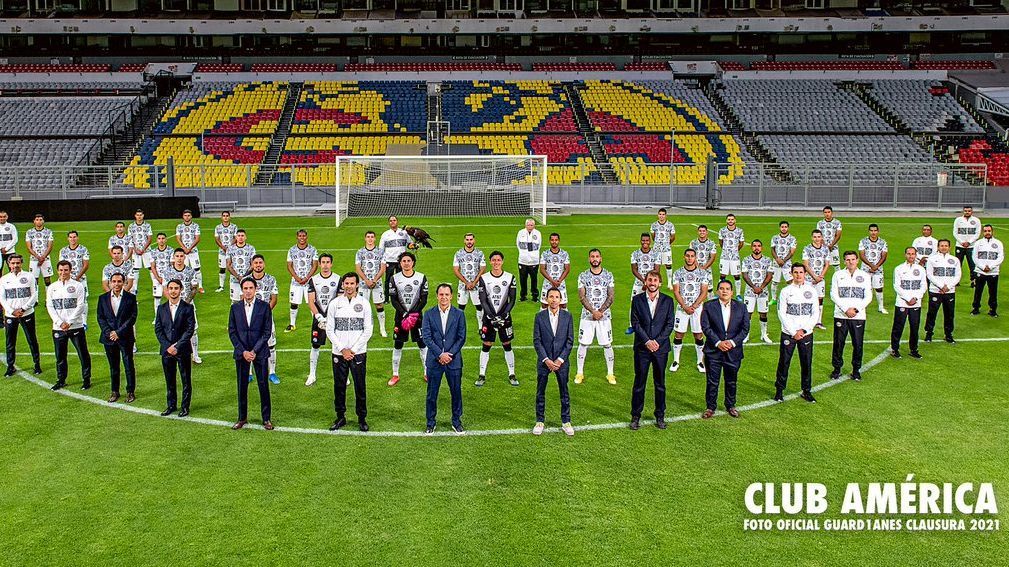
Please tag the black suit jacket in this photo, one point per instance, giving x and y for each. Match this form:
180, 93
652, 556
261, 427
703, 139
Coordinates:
254, 336
649, 328
122, 322
549, 345
177, 332
715, 331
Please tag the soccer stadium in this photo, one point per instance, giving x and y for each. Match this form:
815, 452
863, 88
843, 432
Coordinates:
504, 282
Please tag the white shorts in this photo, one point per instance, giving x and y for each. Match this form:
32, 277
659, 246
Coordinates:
876, 279
728, 267
601, 331
546, 287
821, 288
235, 291
299, 293
782, 273
193, 259
141, 260
637, 288
273, 336
466, 296
157, 290
222, 260
377, 293
754, 301
45, 270
835, 257
683, 320
665, 259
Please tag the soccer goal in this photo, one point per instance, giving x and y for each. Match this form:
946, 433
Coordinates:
370, 186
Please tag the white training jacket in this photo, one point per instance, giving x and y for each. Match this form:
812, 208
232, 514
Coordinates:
942, 270
18, 291
849, 290
529, 244
966, 230
67, 303
348, 324
909, 282
988, 252
798, 308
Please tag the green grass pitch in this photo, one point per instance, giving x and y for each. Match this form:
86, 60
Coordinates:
92, 485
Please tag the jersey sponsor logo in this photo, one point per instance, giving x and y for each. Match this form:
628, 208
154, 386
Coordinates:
799, 309
910, 284
851, 292
65, 303
348, 323
17, 292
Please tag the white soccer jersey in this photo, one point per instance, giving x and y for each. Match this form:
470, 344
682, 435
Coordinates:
39, 239
703, 250
873, 250
782, 246
302, 259
408, 289
325, 289
266, 287
469, 263
8, 237
988, 252
555, 262
909, 282
690, 282
597, 287
498, 291
226, 234
186, 276
140, 234
730, 242
393, 243
645, 261
76, 257
124, 242
662, 232
756, 269
18, 291
817, 258
241, 259
187, 233
798, 308
966, 230
370, 260
925, 246
829, 230
849, 290
162, 259
943, 270
110, 269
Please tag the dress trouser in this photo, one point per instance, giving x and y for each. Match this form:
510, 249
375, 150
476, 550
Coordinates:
357, 368
902, 316
26, 322
967, 253
786, 348
714, 366
948, 303
843, 328
991, 281
542, 377
181, 365
528, 274
643, 362
454, 379
79, 339
261, 366
121, 351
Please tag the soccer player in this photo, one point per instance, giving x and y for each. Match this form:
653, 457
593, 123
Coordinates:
830, 228
595, 291
873, 252
816, 262
528, 241
706, 251
238, 263
224, 237
80, 260
798, 312
180, 271
555, 265
267, 290
8, 239
468, 265
371, 269
943, 273
39, 242
120, 239
19, 293
393, 243
731, 240
322, 289
925, 245
663, 234
910, 283
141, 236
187, 235
66, 301
758, 271
348, 324
302, 263
783, 247
851, 292
161, 259
643, 260
117, 266
988, 255
966, 230
497, 295
690, 290
408, 296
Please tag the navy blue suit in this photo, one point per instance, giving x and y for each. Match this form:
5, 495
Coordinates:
648, 327
550, 345
252, 336
438, 341
122, 323
178, 333
716, 362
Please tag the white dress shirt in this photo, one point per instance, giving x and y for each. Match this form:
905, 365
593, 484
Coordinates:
652, 303
726, 316
248, 310
554, 319
443, 313
172, 308
115, 300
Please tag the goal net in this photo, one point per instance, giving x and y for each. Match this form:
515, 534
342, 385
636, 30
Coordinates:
378, 186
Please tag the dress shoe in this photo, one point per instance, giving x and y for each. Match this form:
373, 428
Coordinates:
733, 412
268, 425
992, 314
778, 397
10, 372
635, 424
184, 412
808, 396
38, 370
660, 422
339, 423
707, 414
239, 424
86, 386
58, 385
950, 340
915, 354
363, 426
975, 312
928, 338
168, 411
114, 397
856, 376
835, 375
130, 398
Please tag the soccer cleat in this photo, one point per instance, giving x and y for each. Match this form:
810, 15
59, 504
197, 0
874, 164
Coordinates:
197, 359
746, 339
808, 396
739, 298
480, 381
950, 340
311, 380
629, 331
290, 328
884, 311
37, 370
820, 327
58, 385
394, 380
274, 379
538, 428
568, 429
767, 340
579, 378
674, 366
700, 367
778, 397
513, 380
381, 331
993, 314
219, 290
611, 379
928, 338
975, 312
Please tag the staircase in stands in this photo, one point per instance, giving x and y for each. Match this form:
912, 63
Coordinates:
125, 144
269, 166
595, 145
735, 127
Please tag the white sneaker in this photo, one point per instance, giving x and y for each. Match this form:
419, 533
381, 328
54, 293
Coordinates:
701, 368
884, 311
311, 380
767, 339
568, 430
538, 428
197, 360
674, 366
382, 332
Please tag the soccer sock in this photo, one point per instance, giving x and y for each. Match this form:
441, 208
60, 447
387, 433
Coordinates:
821, 312
273, 360
774, 290
677, 347
669, 276
397, 355
699, 347
313, 361
381, 319
582, 351
739, 284
220, 278
423, 357
294, 314
879, 298
199, 278
484, 359
195, 341
479, 316
157, 302
608, 354
510, 359
763, 328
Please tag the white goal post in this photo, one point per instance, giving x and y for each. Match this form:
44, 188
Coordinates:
484, 185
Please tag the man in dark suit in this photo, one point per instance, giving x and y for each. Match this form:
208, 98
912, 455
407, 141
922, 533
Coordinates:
174, 328
444, 332
553, 336
725, 323
652, 320
250, 325
117, 314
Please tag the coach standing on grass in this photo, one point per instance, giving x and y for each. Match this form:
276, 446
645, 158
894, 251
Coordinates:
909, 282
66, 301
250, 325
444, 331
799, 313
19, 294
988, 255
349, 327
553, 337
117, 314
944, 274
726, 323
528, 241
851, 292
174, 326
652, 319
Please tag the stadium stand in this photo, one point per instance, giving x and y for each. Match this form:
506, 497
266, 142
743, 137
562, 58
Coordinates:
731, 66
59, 68
994, 153
36, 161
647, 66
219, 68
924, 106
293, 67
507, 106
648, 106
423, 67
340, 107
132, 67
60, 116
826, 66
242, 108
870, 159
574, 67
955, 65
800, 105
89, 88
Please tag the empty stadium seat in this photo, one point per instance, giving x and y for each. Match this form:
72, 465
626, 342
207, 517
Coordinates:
59, 68
425, 67
826, 65
647, 66
293, 67
955, 65
219, 68
799, 105
507, 107
243, 108
333, 107
574, 67
925, 106
648, 106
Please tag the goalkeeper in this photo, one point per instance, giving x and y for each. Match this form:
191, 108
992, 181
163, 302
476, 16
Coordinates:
497, 295
408, 296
